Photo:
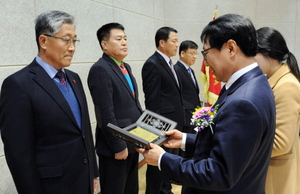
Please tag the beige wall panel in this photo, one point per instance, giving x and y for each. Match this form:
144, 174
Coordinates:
276, 10
17, 37
7, 185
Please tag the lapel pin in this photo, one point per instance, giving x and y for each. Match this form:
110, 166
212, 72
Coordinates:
74, 81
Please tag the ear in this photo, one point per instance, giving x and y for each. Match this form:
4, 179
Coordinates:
161, 43
182, 53
104, 44
232, 47
43, 40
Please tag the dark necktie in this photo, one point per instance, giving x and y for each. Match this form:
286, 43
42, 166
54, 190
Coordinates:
61, 76
191, 74
173, 71
222, 90
222, 96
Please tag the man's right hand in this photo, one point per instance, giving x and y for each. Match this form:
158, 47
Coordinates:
175, 139
122, 155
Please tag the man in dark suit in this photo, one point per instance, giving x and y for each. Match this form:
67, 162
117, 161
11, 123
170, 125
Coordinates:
233, 157
161, 86
115, 96
44, 121
189, 85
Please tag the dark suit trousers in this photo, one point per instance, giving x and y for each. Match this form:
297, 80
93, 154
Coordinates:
155, 181
119, 176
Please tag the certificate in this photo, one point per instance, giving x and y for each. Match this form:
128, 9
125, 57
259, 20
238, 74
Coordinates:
144, 134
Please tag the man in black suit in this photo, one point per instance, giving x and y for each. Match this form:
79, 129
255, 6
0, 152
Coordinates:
189, 85
115, 96
161, 86
44, 120
233, 157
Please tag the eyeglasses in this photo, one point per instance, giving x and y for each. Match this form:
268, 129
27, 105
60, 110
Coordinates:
205, 54
192, 53
67, 41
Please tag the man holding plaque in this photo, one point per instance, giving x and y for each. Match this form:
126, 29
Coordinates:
115, 96
161, 86
232, 154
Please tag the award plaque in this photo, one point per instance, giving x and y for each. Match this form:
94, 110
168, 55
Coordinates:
148, 129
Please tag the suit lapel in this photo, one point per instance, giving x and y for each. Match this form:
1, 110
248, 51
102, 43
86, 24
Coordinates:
282, 71
80, 99
168, 69
118, 72
255, 72
188, 76
42, 78
135, 87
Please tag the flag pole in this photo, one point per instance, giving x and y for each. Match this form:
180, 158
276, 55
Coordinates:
211, 87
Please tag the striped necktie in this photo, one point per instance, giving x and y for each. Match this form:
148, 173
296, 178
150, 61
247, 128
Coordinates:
61, 76
126, 74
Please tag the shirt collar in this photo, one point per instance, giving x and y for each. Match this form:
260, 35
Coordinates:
184, 64
116, 61
238, 74
167, 59
51, 71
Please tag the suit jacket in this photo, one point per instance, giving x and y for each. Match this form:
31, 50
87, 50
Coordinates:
45, 149
162, 94
189, 93
114, 103
235, 158
284, 171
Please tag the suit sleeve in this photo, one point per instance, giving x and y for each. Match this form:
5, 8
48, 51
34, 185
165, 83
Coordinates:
101, 88
238, 133
190, 144
151, 86
287, 116
18, 135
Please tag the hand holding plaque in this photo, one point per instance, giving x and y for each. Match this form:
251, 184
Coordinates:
148, 129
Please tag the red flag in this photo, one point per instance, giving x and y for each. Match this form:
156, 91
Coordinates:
211, 87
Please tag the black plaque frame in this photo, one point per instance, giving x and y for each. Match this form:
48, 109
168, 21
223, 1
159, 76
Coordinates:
150, 121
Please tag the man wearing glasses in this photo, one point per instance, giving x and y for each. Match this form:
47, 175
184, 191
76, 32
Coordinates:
44, 120
189, 86
233, 157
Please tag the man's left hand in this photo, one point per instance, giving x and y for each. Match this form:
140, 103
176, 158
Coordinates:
96, 185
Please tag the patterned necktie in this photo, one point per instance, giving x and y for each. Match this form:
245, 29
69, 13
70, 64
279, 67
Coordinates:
192, 76
61, 76
126, 74
173, 71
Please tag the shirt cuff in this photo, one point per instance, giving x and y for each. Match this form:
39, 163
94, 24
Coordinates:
158, 165
183, 141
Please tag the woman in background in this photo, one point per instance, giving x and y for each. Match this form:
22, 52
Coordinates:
281, 68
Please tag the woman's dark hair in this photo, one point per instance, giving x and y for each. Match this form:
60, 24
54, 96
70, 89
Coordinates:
272, 44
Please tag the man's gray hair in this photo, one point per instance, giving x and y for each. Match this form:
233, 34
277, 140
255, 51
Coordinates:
50, 22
